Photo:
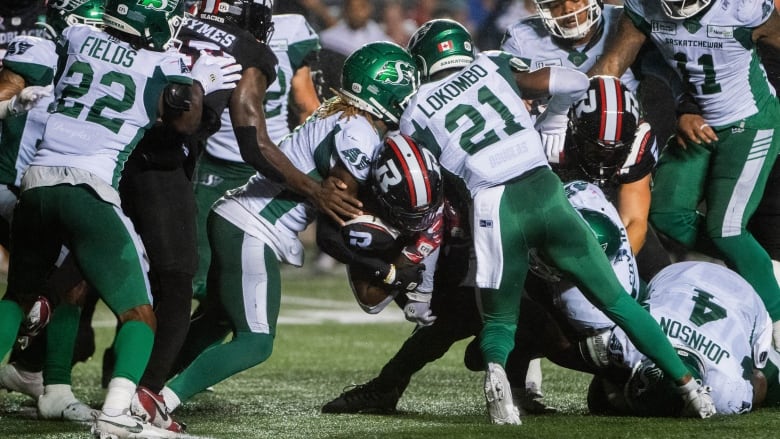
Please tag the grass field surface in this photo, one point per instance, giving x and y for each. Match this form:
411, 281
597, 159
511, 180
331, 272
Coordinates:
325, 343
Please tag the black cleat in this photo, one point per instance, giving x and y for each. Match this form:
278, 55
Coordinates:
364, 398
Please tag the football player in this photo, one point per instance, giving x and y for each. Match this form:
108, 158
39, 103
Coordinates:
717, 322
20, 18
254, 228
221, 167
69, 192
711, 44
518, 203
403, 239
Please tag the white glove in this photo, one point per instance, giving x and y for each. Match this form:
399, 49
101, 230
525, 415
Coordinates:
29, 96
698, 401
552, 127
418, 309
216, 72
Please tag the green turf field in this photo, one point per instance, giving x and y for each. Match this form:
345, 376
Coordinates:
325, 343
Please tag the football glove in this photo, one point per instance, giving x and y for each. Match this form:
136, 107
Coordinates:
418, 309
216, 72
406, 278
552, 127
698, 401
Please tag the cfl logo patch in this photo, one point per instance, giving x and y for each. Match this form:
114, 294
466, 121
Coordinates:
486, 223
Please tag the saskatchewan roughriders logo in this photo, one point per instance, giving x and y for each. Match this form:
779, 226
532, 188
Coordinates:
395, 73
158, 5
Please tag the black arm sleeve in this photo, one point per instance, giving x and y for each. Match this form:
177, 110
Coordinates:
330, 241
250, 153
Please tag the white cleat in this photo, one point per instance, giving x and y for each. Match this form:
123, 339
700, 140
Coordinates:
64, 406
498, 396
22, 381
127, 426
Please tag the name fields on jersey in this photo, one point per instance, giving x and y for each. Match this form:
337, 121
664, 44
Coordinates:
108, 51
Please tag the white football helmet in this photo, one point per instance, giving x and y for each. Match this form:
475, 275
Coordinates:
569, 26
680, 9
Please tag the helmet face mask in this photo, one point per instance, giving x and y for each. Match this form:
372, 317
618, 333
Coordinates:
255, 16
574, 25
602, 128
682, 9
406, 180
441, 44
155, 23
379, 78
63, 13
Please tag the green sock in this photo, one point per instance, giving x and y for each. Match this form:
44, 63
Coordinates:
11, 316
132, 347
61, 340
220, 362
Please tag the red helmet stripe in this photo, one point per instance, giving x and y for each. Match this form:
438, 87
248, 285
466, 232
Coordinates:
414, 170
209, 6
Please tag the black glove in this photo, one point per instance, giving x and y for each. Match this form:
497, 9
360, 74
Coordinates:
406, 278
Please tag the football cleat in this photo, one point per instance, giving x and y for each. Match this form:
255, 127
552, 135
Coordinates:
594, 349
530, 402
364, 398
127, 426
64, 406
150, 407
697, 398
498, 396
14, 379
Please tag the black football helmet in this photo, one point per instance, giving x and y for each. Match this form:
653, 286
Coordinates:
602, 128
407, 182
254, 16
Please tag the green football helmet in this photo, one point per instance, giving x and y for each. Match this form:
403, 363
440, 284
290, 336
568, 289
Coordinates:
63, 13
605, 230
154, 22
650, 392
379, 78
439, 45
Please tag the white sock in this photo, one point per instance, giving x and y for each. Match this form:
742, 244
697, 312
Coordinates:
171, 398
63, 391
120, 392
533, 378
776, 335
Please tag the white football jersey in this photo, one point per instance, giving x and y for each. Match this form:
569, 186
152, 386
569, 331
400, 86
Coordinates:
713, 54
267, 210
35, 60
477, 123
292, 41
583, 316
106, 97
530, 40
710, 310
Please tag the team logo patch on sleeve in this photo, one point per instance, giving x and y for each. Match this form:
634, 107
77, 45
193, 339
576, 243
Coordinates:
18, 47
356, 158
183, 66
